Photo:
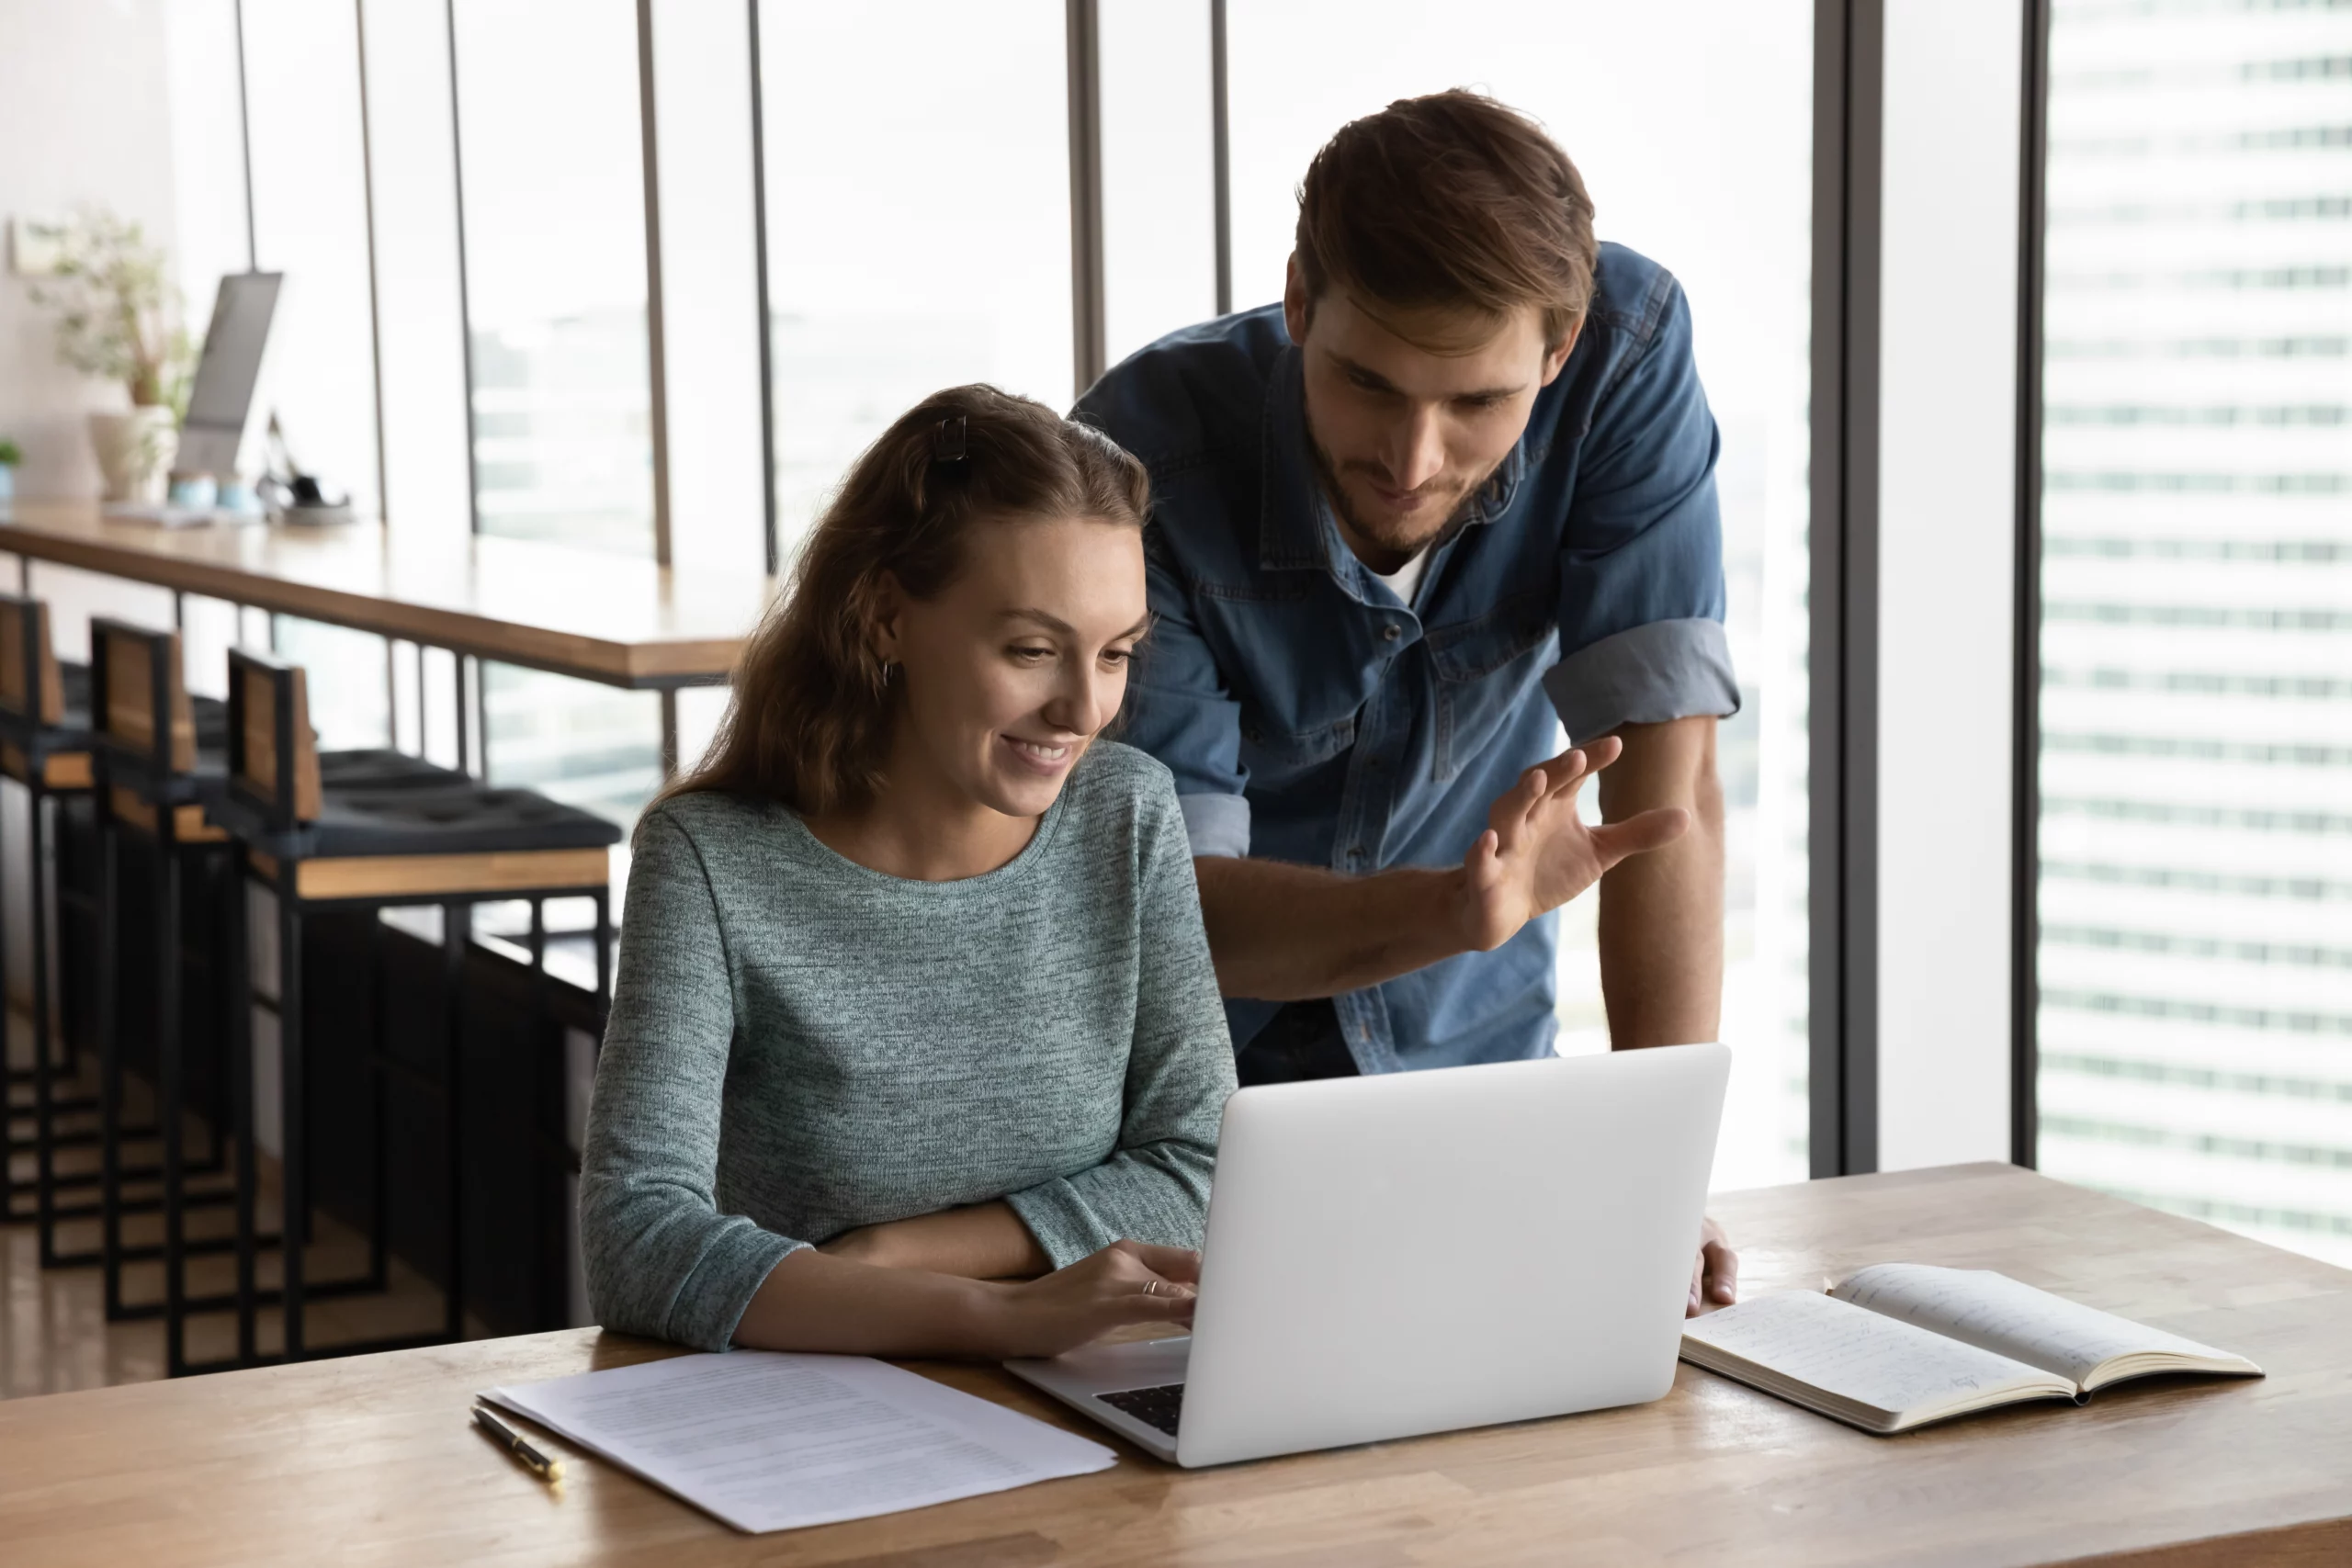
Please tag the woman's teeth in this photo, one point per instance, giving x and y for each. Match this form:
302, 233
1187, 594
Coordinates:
1043, 753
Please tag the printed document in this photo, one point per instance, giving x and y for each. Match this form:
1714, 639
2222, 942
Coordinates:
769, 1441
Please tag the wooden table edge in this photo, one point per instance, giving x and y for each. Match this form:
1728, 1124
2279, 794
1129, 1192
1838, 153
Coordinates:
700, 660
2315, 1543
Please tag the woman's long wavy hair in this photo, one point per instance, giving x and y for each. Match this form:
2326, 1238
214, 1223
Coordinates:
810, 721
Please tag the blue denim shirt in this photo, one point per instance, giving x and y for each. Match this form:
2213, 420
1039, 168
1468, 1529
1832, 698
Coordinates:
1311, 716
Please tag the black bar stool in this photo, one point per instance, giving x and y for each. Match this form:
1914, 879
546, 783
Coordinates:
318, 838
161, 763
44, 745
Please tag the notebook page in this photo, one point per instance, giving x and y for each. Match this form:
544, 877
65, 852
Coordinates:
1854, 1355
2012, 1318
767, 1441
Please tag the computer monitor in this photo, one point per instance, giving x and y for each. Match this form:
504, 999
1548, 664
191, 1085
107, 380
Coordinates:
221, 435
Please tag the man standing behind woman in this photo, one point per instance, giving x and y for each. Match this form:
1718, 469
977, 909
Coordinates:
1455, 492
916, 1048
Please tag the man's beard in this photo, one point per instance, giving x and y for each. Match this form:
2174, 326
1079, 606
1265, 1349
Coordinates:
1327, 473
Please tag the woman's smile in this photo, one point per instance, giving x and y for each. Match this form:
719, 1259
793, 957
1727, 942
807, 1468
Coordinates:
1040, 756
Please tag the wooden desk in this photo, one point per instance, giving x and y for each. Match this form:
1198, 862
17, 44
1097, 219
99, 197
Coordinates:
371, 1460
612, 619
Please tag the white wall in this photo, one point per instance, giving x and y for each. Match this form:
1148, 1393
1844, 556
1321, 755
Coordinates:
1946, 519
85, 117
108, 103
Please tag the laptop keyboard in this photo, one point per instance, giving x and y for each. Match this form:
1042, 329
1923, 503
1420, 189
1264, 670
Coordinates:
1153, 1406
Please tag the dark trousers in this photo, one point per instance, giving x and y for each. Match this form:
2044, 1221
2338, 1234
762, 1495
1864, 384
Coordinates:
1302, 1041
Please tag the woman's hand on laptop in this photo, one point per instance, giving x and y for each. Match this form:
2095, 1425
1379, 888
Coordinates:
1126, 1283
1537, 854
1714, 1276
824, 1301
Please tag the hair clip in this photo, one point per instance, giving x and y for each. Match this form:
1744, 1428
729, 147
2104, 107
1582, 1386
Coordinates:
947, 440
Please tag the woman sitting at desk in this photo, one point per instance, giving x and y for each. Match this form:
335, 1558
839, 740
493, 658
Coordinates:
913, 968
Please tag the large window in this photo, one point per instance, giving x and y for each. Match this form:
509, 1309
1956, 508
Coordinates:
309, 222
1159, 235
550, 150
550, 157
918, 207
461, 197
1730, 215
2196, 697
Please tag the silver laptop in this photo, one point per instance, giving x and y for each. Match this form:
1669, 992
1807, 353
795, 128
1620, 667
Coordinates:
1418, 1252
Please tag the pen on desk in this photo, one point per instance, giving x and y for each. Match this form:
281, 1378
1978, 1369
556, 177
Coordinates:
546, 1469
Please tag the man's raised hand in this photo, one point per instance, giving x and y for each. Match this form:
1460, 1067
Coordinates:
1535, 855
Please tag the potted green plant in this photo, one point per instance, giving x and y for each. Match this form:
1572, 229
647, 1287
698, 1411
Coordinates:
9, 458
118, 316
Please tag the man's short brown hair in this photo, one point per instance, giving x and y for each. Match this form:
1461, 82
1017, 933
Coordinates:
1452, 200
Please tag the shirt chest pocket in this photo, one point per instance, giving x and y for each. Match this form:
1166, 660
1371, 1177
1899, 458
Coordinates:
1302, 676
1275, 756
1485, 669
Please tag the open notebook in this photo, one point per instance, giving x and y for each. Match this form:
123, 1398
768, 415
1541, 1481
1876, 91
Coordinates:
1899, 1345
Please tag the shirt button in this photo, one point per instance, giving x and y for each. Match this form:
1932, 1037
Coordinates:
1392, 631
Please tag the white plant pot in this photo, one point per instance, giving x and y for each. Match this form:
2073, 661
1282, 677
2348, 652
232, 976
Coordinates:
135, 452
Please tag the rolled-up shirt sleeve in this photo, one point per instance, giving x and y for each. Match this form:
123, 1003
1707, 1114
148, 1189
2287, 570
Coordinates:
1179, 710
1641, 564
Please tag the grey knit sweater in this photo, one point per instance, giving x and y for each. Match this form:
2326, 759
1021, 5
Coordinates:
800, 1045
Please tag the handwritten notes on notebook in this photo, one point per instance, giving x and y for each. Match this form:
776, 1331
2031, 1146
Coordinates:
1900, 1345
769, 1441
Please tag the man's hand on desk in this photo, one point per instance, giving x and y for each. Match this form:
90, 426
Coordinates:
1714, 1273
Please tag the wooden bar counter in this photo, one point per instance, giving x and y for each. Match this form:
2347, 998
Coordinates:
372, 1460
614, 619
